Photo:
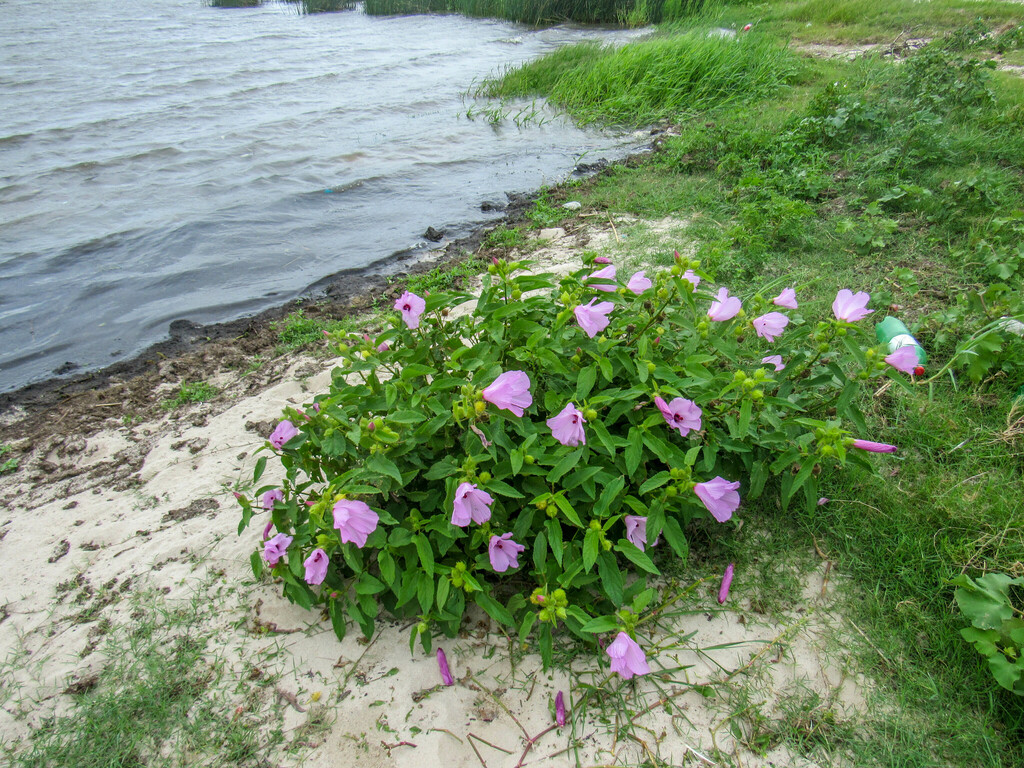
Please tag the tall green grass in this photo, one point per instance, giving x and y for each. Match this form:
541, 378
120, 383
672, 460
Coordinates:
540, 12
654, 79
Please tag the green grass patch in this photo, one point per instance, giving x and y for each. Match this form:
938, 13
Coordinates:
7, 465
652, 79
166, 696
634, 13
907, 182
444, 278
649, 80
191, 392
299, 330
505, 237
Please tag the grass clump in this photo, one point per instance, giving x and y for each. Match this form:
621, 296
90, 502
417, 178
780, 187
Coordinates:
7, 465
191, 392
165, 697
906, 180
444, 278
505, 237
650, 80
299, 330
634, 13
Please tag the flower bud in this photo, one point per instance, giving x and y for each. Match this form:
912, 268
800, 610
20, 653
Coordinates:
671, 492
528, 459
517, 295
595, 525
650, 367
491, 269
590, 414
371, 427
676, 270
479, 406
485, 477
756, 395
606, 545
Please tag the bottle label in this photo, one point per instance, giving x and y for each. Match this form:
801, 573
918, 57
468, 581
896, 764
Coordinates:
902, 340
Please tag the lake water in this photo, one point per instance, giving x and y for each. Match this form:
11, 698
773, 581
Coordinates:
166, 160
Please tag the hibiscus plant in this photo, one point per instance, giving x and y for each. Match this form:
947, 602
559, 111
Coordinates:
524, 450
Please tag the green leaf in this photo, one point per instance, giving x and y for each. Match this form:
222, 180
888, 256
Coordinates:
494, 609
337, 615
524, 629
591, 545
608, 494
426, 553
425, 591
386, 563
504, 489
611, 577
634, 450
406, 417
412, 370
675, 537
606, 368
368, 585
566, 463
261, 465
568, 510
656, 481
633, 553
600, 624
743, 426
554, 529
540, 551
257, 564
985, 601
443, 588
382, 465
585, 382
546, 646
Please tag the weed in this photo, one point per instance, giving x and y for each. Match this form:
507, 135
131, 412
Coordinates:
8, 465
298, 330
505, 237
649, 80
444, 278
190, 392
165, 696
544, 213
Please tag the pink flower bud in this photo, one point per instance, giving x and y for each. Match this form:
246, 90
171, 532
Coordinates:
371, 426
238, 495
494, 261
560, 717
602, 260
723, 591
442, 665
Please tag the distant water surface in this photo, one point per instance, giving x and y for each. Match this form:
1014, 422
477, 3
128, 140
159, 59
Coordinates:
166, 160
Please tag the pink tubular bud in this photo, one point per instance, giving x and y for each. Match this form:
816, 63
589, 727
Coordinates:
560, 716
442, 665
723, 591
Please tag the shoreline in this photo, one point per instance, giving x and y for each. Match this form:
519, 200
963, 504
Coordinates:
340, 294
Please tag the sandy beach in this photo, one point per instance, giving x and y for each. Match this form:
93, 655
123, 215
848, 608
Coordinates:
115, 521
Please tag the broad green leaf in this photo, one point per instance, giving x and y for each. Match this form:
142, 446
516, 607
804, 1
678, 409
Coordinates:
566, 463
634, 450
600, 624
585, 382
633, 553
425, 552
611, 577
494, 609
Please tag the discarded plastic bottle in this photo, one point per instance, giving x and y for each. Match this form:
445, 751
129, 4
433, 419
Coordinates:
894, 334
